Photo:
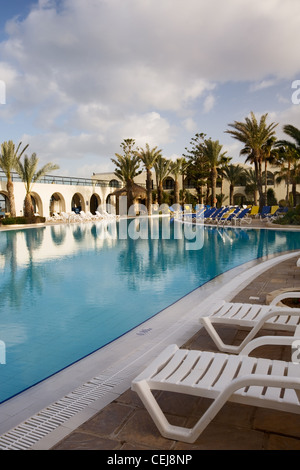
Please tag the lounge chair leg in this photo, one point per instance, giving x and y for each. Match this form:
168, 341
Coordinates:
216, 338
228, 347
168, 430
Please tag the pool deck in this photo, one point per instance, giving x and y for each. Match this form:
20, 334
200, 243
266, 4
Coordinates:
115, 419
124, 424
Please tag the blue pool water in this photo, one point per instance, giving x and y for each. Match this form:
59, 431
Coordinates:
67, 291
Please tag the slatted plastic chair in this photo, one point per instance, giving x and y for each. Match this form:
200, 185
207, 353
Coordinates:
221, 377
254, 317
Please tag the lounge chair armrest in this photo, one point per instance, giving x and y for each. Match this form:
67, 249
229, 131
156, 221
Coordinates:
285, 295
268, 340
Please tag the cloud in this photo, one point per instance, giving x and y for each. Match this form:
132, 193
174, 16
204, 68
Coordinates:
190, 125
262, 85
209, 103
88, 73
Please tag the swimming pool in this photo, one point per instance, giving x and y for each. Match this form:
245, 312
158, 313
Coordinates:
68, 290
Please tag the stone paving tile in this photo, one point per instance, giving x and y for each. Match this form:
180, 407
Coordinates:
126, 425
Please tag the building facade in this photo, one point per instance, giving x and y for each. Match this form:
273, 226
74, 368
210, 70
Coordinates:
65, 194
59, 194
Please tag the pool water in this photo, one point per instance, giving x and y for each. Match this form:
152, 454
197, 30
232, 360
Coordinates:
68, 290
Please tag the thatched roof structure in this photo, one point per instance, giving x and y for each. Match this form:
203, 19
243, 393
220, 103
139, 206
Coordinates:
137, 192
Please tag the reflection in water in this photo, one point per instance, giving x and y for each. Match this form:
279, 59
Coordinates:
67, 290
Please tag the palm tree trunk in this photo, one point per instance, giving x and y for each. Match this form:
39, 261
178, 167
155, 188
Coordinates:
266, 184
160, 193
213, 186
176, 191
149, 192
11, 197
294, 192
231, 188
183, 191
288, 184
129, 188
257, 168
28, 208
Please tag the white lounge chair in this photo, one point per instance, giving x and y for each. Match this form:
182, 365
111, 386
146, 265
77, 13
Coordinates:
85, 216
91, 216
56, 216
221, 377
104, 214
253, 317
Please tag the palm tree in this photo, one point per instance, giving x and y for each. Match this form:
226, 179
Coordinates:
127, 168
232, 173
198, 169
162, 169
149, 157
8, 160
289, 153
270, 155
289, 171
176, 171
254, 135
213, 152
30, 175
224, 162
184, 165
251, 184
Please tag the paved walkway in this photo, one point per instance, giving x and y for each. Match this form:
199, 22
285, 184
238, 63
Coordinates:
125, 424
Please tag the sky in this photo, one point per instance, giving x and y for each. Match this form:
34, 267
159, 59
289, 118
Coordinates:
83, 75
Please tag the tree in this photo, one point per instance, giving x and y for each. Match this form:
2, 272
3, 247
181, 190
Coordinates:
251, 184
224, 162
232, 173
270, 155
289, 154
29, 174
289, 172
254, 135
162, 169
212, 151
198, 169
149, 157
184, 165
176, 171
8, 160
127, 167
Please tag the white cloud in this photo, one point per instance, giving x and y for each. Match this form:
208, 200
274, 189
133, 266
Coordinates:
209, 103
262, 85
150, 128
89, 73
190, 125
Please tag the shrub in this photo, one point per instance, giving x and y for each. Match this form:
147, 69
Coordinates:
292, 217
23, 220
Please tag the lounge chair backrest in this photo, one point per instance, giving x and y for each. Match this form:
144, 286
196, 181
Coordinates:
274, 209
254, 210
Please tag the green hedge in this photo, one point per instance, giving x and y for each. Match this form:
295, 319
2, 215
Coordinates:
22, 220
292, 217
